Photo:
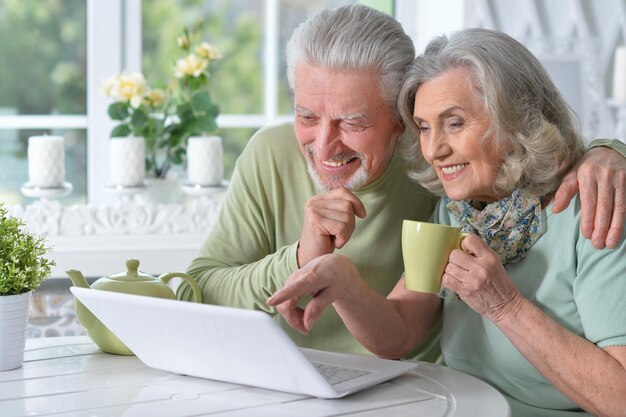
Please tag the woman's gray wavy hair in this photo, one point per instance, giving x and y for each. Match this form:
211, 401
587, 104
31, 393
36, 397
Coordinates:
354, 38
534, 131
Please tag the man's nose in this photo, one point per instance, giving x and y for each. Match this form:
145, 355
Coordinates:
326, 140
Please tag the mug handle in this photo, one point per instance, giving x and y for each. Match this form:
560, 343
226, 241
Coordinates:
197, 292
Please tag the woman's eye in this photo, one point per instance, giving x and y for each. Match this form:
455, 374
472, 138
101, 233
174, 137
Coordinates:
455, 123
423, 129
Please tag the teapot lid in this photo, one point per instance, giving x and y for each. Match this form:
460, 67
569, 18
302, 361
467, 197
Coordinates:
132, 273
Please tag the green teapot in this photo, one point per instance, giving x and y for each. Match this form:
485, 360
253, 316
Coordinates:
131, 282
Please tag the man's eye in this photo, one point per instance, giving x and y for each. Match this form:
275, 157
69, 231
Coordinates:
353, 127
306, 119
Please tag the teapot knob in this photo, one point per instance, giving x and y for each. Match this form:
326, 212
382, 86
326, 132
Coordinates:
132, 265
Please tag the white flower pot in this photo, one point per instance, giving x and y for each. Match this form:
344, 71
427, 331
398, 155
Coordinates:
13, 316
164, 190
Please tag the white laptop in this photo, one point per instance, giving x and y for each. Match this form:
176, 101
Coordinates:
232, 345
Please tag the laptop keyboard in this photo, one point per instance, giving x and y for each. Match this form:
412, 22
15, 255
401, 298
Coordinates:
338, 374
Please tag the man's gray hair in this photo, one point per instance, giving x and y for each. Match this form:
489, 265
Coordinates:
534, 131
354, 38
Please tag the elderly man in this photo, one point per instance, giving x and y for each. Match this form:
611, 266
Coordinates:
333, 180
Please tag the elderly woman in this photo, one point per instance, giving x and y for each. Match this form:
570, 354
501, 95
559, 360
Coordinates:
538, 312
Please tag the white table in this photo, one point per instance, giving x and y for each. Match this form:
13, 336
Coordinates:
70, 376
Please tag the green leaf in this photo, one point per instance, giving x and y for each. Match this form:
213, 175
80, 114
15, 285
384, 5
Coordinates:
158, 125
195, 83
201, 102
150, 143
172, 128
206, 124
120, 131
176, 140
185, 113
177, 158
164, 143
118, 111
139, 119
214, 110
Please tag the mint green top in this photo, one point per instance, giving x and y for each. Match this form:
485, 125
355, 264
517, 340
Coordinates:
582, 288
251, 251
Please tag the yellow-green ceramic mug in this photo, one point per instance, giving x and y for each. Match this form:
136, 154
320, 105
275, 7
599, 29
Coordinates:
425, 250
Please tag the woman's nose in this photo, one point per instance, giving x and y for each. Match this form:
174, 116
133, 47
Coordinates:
438, 146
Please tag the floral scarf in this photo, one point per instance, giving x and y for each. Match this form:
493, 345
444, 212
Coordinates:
509, 226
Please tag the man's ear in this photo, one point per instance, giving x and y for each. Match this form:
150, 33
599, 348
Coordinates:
399, 130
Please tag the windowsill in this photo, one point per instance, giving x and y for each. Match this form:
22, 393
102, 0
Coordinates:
97, 240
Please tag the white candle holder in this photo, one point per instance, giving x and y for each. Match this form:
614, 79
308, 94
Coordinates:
127, 166
620, 119
46, 169
46, 193
205, 165
46, 161
619, 75
125, 193
205, 191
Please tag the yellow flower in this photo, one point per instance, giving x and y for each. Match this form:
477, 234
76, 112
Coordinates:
108, 85
208, 51
155, 98
190, 65
126, 87
183, 41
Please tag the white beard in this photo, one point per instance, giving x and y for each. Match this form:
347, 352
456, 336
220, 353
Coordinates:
356, 181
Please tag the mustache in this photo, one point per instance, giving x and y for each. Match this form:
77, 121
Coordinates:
343, 156
327, 183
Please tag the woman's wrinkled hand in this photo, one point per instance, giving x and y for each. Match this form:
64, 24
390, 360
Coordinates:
475, 273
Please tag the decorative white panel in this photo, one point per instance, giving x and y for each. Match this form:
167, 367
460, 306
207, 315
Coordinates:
51, 218
565, 31
97, 239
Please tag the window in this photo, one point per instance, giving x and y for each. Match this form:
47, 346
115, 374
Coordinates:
42, 88
60, 51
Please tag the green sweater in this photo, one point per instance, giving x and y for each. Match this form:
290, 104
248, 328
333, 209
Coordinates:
251, 251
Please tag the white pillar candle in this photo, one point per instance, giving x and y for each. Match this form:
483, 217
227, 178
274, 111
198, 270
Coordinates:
619, 75
127, 166
205, 164
46, 161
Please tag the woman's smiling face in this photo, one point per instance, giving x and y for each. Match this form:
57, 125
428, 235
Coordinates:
453, 123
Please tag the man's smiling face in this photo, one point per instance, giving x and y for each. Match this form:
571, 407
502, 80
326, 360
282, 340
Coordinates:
346, 131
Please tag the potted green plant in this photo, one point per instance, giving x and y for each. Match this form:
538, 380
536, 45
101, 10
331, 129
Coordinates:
23, 267
165, 118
